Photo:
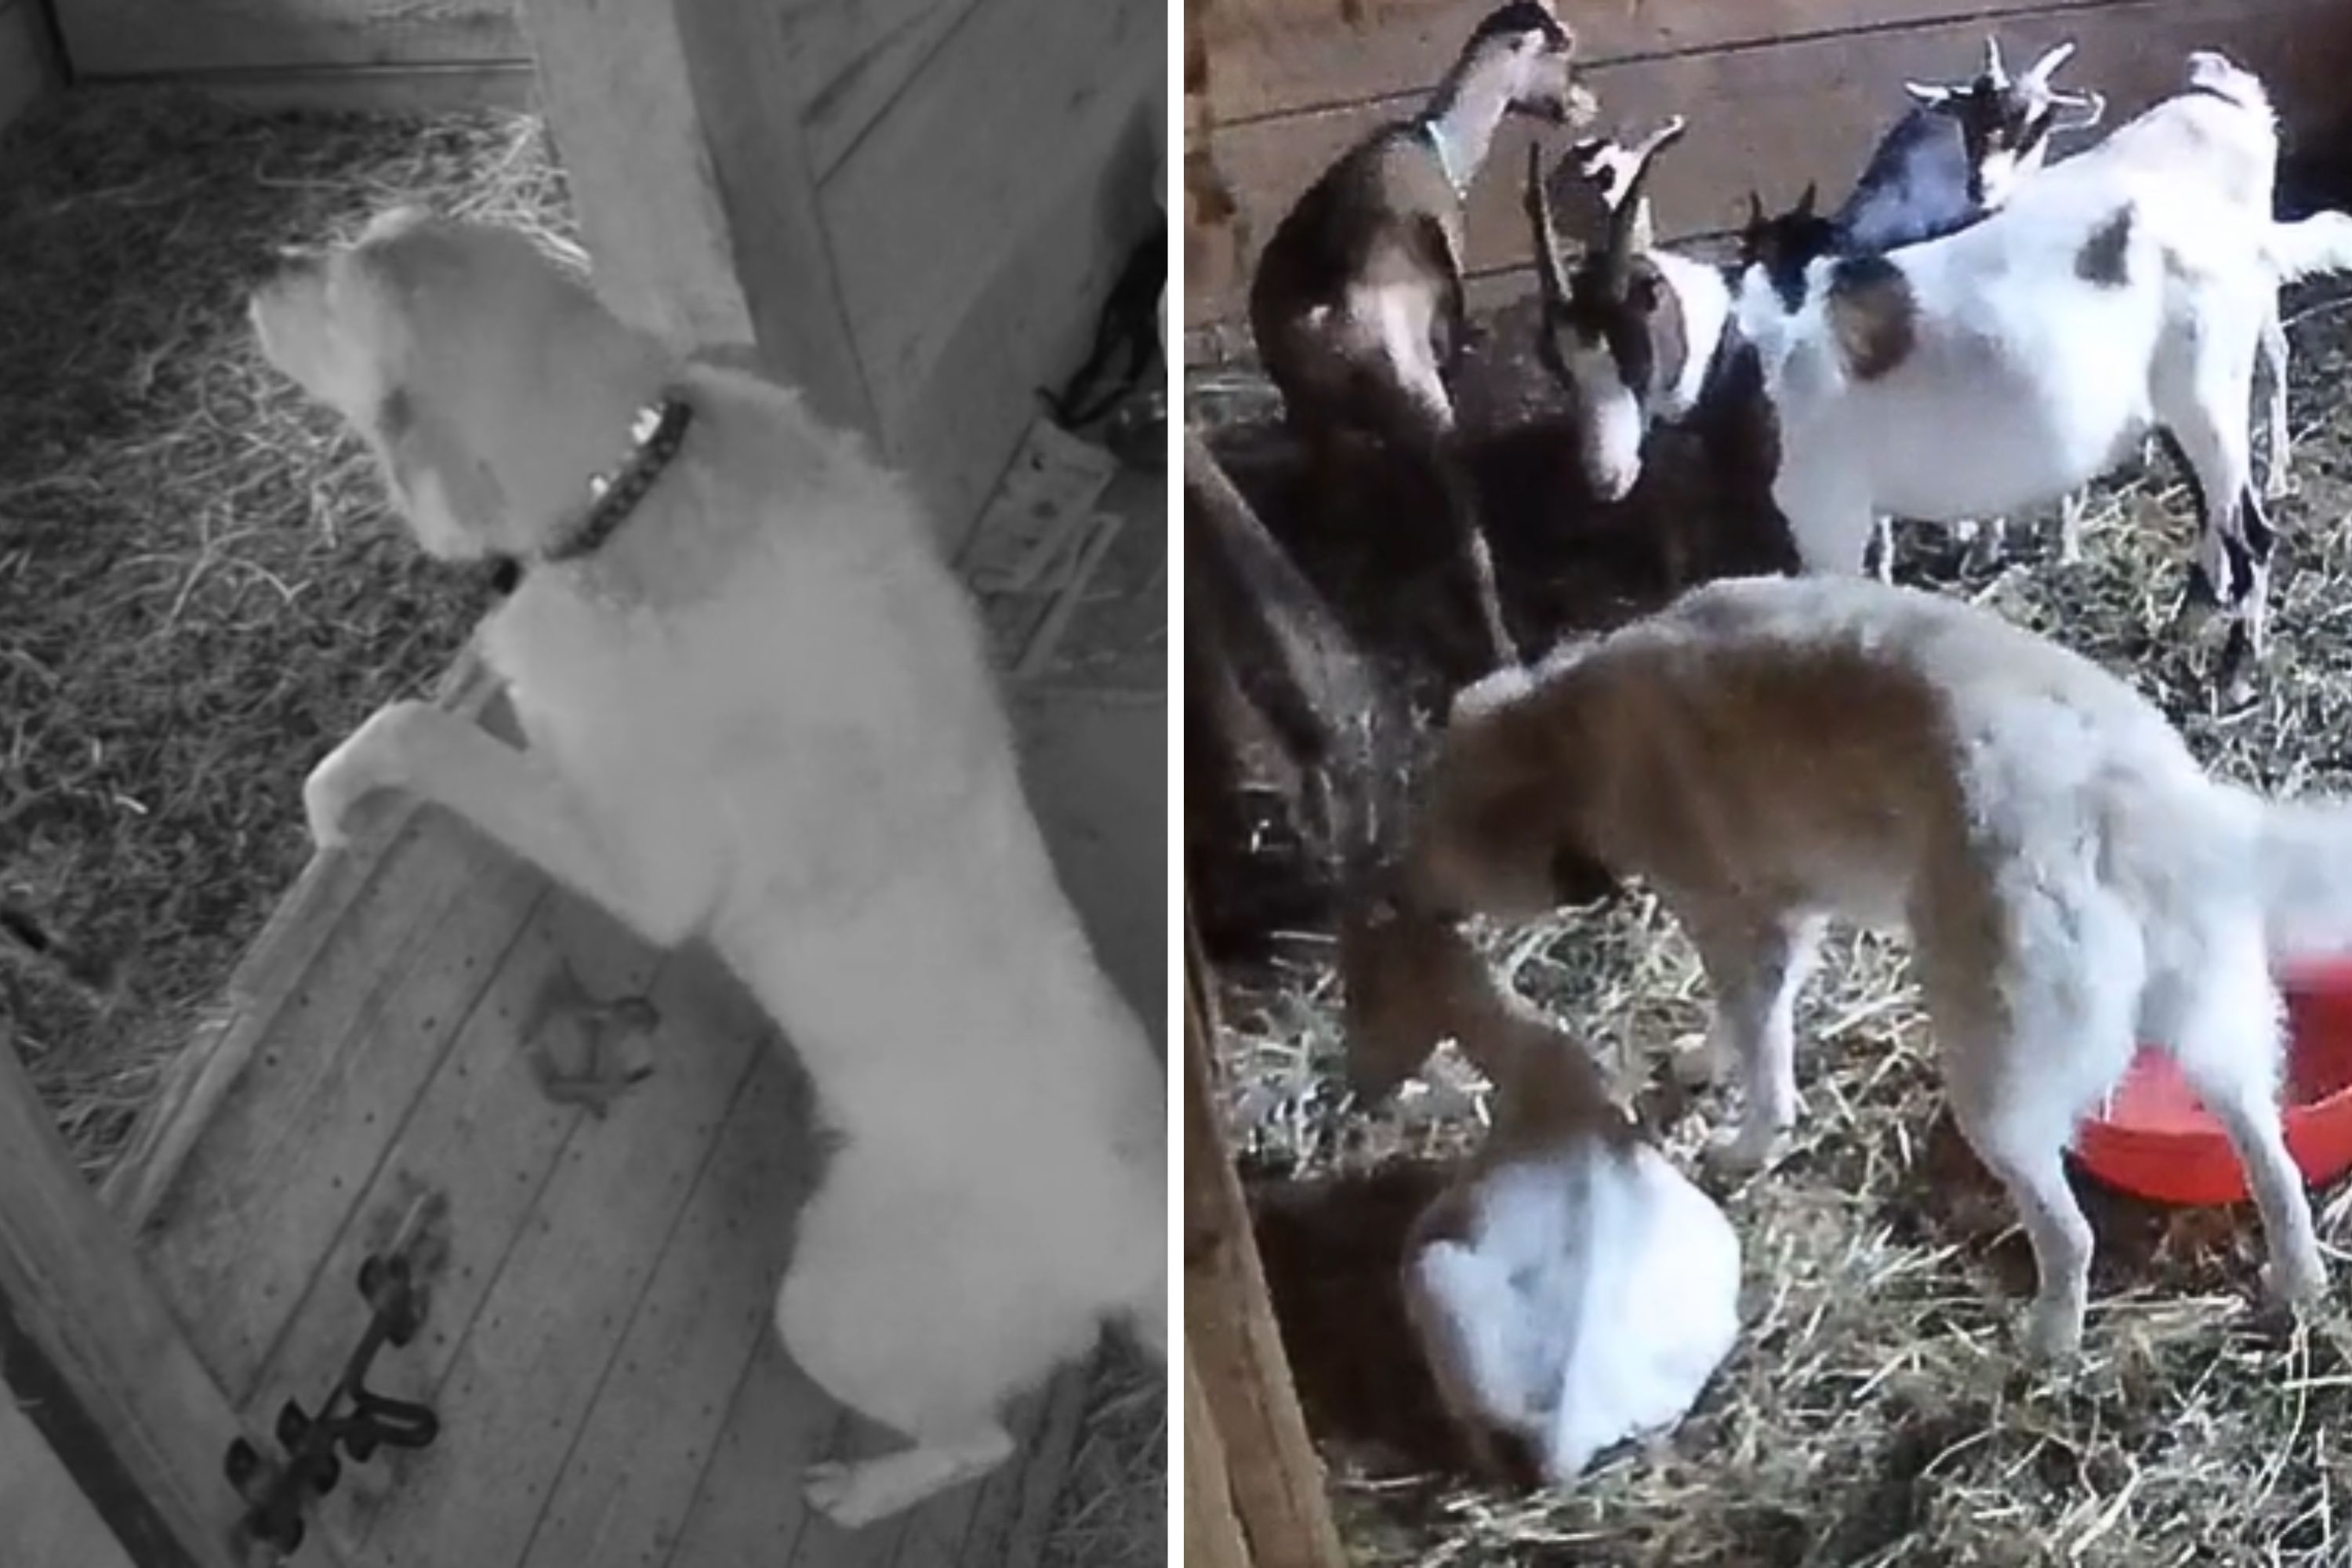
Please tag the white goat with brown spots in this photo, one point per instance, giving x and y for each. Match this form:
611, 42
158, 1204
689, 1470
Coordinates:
2121, 293
1357, 302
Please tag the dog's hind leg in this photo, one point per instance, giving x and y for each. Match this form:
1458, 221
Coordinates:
2223, 1023
916, 1311
2030, 1033
857, 1493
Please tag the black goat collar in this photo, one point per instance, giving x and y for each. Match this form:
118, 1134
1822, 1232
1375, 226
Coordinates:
657, 432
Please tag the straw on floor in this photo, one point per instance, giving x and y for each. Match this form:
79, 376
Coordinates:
201, 591
199, 588
1876, 1411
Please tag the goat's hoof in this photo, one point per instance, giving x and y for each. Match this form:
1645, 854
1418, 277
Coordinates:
2201, 595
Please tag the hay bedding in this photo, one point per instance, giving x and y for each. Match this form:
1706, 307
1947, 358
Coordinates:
1876, 1411
200, 589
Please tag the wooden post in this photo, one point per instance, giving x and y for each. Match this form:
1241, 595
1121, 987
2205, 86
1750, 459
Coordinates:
680, 131
95, 1358
1252, 1464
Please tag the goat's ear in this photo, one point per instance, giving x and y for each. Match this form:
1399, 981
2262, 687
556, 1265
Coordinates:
1928, 95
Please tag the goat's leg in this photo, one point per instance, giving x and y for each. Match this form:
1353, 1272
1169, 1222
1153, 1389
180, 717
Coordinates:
2271, 365
1478, 556
2234, 537
1987, 539
1423, 424
2249, 638
2071, 510
1826, 501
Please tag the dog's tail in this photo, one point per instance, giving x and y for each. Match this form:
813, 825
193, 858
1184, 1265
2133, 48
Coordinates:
2302, 861
2309, 247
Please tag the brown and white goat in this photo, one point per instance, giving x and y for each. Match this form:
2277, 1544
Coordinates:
1357, 303
1770, 753
1569, 1288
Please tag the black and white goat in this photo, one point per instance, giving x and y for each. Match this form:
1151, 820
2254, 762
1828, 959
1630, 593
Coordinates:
1955, 156
2122, 291
1357, 303
1951, 159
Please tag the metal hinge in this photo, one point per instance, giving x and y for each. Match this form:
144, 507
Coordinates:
352, 1418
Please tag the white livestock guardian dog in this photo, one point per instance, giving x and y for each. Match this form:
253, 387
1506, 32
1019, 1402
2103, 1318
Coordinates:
759, 711
1771, 752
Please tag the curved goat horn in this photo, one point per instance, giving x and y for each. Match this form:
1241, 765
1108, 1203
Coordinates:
1623, 224
1549, 271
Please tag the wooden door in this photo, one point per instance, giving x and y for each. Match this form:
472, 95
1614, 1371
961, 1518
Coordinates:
388, 1078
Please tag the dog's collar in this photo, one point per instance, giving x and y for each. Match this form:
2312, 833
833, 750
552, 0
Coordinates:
657, 432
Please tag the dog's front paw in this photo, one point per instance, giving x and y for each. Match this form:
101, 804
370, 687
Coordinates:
372, 761
329, 796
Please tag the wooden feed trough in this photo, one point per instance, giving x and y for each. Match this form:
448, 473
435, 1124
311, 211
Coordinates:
853, 196
1777, 93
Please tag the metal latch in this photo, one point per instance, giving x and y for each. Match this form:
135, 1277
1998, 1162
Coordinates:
352, 1418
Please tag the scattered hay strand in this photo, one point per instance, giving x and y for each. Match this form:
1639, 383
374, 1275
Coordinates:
1113, 1507
1877, 1411
200, 589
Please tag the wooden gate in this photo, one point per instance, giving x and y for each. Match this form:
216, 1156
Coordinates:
596, 1279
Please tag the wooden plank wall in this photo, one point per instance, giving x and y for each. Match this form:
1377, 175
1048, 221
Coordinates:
972, 225
27, 70
1778, 91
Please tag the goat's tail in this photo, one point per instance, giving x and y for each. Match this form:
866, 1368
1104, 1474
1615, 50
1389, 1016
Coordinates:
2304, 863
2309, 247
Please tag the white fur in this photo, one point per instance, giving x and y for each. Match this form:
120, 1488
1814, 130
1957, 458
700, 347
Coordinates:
1706, 311
2025, 380
2072, 881
762, 715
1570, 1287
1593, 1296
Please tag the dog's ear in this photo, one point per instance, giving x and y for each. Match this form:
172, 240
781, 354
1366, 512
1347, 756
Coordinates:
447, 488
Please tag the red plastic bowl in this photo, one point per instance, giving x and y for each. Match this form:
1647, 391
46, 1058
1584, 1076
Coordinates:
2154, 1137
